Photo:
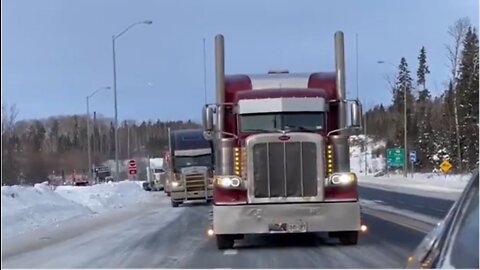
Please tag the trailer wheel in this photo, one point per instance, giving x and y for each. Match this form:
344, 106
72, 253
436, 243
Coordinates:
225, 241
175, 204
348, 238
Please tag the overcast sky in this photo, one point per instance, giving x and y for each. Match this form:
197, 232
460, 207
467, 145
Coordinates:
55, 53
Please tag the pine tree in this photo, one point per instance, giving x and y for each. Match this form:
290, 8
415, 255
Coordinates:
403, 83
423, 119
467, 93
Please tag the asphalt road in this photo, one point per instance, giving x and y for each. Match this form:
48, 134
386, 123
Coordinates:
433, 207
149, 239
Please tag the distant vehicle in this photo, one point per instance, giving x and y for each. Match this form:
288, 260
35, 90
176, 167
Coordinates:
102, 173
189, 166
155, 177
453, 243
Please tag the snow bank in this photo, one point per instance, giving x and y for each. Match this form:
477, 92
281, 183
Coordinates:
423, 184
29, 208
99, 198
358, 157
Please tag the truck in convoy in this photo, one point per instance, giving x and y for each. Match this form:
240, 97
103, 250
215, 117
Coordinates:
155, 175
189, 166
281, 153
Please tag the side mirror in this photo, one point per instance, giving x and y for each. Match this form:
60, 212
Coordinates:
207, 114
356, 114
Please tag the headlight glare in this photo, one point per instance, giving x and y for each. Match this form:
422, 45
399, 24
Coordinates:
342, 179
228, 181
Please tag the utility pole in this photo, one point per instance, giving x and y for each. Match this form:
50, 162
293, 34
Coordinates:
117, 165
128, 140
405, 167
405, 131
90, 169
365, 142
89, 165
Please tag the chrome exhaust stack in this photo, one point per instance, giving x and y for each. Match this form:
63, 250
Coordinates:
341, 148
340, 78
219, 82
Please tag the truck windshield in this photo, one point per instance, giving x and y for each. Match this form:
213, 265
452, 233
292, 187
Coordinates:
282, 121
188, 161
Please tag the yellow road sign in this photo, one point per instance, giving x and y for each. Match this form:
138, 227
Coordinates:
445, 166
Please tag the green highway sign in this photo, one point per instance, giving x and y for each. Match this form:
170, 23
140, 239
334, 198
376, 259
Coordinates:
395, 157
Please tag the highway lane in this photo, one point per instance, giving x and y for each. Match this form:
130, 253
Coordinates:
433, 207
151, 240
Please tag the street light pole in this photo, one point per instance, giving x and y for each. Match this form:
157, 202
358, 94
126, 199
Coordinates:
90, 175
117, 166
405, 162
404, 125
88, 129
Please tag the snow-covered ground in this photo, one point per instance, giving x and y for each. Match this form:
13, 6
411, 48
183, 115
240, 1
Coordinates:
25, 209
357, 156
423, 184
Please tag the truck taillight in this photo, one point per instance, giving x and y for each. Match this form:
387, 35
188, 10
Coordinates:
341, 187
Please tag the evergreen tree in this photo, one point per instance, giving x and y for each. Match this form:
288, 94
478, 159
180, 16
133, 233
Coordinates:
403, 87
467, 94
424, 141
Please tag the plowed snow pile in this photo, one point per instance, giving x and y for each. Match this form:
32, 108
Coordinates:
28, 208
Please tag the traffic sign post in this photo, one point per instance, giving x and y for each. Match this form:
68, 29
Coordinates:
132, 167
395, 157
413, 157
445, 166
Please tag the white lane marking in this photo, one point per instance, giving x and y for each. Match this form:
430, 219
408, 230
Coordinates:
230, 252
400, 202
378, 201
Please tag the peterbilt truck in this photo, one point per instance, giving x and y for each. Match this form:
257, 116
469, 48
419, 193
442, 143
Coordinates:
281, 153
189, 166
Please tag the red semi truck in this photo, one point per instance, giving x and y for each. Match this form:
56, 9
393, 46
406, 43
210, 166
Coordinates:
281, 153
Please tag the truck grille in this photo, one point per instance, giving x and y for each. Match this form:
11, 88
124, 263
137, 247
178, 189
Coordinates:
195, 182
285, 169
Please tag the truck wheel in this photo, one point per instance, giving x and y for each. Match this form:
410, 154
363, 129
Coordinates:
225, 242
175, 204
168, 194
348, 238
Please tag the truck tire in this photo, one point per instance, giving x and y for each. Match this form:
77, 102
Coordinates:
348, 238
225, 241
168, 194
175, 204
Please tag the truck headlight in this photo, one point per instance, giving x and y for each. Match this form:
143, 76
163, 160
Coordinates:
343, 178
228, 181
175, 184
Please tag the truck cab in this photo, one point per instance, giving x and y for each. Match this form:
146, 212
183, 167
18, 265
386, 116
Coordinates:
281, 153
189, 167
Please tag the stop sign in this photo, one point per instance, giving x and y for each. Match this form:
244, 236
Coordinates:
132, 167
132, 164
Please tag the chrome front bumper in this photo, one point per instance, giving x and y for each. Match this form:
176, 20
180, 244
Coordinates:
258, 219
190, 195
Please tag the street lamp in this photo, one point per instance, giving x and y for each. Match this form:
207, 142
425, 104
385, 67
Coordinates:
114, 37
404, 123
88, 128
